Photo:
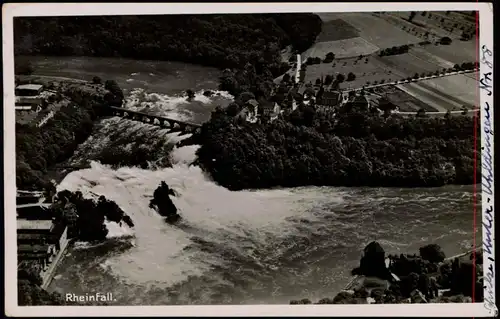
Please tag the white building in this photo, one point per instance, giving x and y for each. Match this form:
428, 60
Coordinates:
28, 97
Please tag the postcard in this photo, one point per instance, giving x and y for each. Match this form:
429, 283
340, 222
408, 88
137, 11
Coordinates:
249, 159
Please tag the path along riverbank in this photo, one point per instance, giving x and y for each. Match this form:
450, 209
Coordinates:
48, 275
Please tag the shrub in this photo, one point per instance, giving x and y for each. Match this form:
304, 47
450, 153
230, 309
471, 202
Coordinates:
445, 41
96, 80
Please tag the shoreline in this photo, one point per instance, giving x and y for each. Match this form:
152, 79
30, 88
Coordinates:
373, 289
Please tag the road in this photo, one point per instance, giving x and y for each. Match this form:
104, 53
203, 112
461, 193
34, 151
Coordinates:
412, 80
439, 113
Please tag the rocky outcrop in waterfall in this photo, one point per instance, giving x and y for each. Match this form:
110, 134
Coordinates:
163, 203
86, 217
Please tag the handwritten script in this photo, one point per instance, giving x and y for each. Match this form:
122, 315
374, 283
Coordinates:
487, 180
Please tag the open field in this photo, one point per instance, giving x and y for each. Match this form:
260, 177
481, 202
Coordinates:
445, 93
404, 101
371, 71
341, 30
418, 26
457, 52
436, 20
423, 52
341, 48
460, 88
439, 94
378, 31
335, 30
408, 64
428, 97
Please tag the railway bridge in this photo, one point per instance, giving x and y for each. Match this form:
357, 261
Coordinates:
164, 122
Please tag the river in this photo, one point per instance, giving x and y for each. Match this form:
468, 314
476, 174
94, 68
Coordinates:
246, 247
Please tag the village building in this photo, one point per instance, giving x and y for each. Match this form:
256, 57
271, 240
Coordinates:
252, 107
249, 112
34, 211
29, 89
43, 254
28, 97
360, 102
28, 226
269, 111
39, 238
25, 197
329, 98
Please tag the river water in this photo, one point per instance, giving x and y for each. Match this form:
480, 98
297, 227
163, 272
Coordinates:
246, 247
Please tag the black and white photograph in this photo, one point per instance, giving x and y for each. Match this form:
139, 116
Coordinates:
248, 158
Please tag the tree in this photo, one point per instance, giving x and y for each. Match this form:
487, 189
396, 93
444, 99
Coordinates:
351, 76
246, 96
412, 15
340, 77
318, 81
421, 112
386, 105
445, 41
96, 80
286, 78
115, 96
328, 79
330, 56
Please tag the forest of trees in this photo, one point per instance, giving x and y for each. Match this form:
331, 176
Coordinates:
223, 41
309, 147
39, 148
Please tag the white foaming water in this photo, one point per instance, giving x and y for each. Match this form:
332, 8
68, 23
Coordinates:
209, 211
184, 155
163, 104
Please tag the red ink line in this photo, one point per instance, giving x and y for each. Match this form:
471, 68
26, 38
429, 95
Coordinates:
474, 196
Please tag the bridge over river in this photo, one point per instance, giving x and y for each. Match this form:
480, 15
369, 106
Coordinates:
165, 122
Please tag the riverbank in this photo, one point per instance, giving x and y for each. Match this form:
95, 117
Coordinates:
358, 148
425, 278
